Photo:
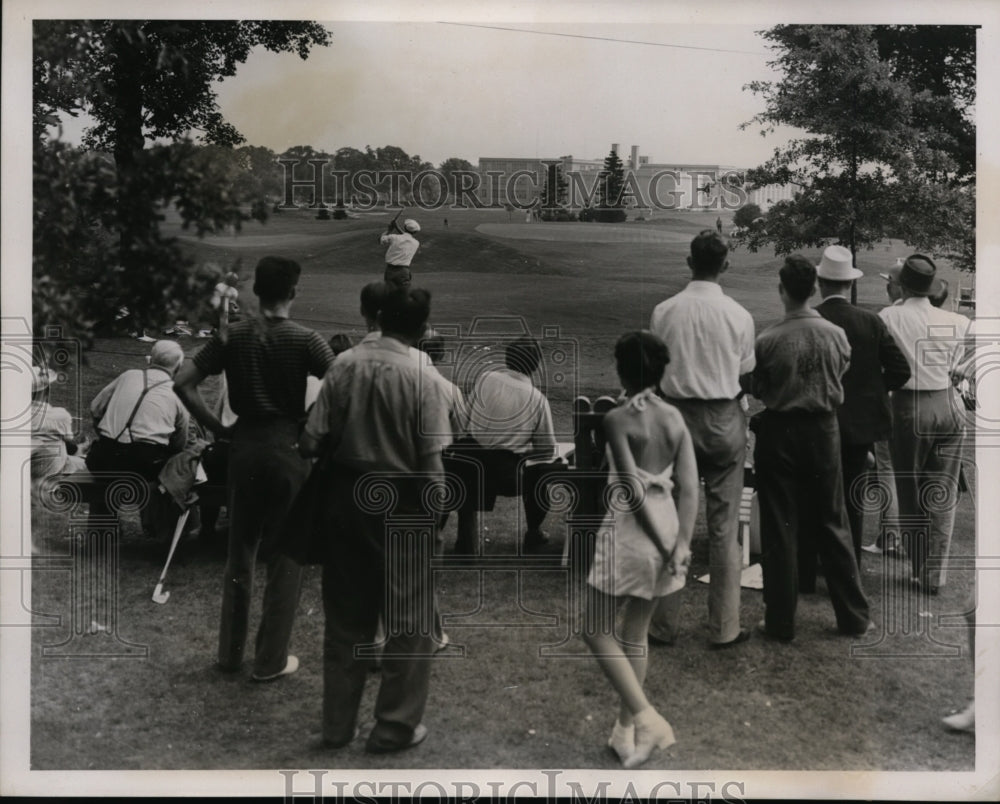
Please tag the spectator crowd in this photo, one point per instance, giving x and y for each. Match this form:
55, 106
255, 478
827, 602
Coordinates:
842, 392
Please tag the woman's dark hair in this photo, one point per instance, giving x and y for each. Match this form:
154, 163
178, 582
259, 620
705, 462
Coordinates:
641, 357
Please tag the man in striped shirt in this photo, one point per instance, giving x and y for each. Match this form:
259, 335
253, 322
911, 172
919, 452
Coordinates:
266, 359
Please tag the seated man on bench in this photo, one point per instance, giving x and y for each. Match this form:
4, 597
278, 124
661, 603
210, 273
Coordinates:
510, 423
140, 423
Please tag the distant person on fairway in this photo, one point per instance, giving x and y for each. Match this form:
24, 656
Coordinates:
266, 358
402, 245
642, 554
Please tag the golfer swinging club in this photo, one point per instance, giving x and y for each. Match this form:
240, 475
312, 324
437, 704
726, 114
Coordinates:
402, 245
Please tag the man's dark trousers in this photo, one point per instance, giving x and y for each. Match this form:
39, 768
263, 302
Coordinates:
854, 462
362, 581
265, 474
799, 481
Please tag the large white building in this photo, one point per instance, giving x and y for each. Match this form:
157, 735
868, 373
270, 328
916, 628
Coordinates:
648, 185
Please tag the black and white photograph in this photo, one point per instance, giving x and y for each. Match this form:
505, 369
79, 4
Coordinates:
474, 401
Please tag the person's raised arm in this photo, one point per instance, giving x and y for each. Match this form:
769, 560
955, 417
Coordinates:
186, 383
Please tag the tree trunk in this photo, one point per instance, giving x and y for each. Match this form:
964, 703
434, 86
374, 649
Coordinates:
854, 264
133, 215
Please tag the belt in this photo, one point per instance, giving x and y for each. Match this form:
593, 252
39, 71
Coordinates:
921, 391
799, 413
686, 400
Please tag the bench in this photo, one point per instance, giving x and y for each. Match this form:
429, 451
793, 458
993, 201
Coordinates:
118, 492
966, 298
590, 444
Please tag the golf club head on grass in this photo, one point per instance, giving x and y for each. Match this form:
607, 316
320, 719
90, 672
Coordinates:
159, 596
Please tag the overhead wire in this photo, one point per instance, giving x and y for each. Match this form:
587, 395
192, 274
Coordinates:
603, 38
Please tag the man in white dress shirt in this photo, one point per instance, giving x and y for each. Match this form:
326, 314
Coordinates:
711, 342
510, 421
928, 432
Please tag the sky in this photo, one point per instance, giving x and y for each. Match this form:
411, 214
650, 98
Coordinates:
445, 90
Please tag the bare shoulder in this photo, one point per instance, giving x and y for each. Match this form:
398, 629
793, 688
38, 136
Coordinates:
617, 417
673, 421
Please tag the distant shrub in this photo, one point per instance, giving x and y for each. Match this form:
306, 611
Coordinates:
339, 214
610, 215
556, 215
323, 214
746, 215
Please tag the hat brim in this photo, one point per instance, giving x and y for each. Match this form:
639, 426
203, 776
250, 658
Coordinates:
852, 274
933, 290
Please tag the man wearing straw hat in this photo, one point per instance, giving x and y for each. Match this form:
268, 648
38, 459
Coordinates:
877, 366
928, 431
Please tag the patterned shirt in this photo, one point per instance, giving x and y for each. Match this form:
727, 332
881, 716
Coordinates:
710, 339
380, 409
800, 361
266, 361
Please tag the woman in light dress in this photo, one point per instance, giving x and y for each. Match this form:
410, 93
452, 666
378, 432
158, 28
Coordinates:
643, 550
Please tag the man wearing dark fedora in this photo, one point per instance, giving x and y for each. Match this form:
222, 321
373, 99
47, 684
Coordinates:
928, 433
877, 366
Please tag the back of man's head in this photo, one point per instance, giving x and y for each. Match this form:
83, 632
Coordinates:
798, 277
340, 342
938, 299
166, 355
372, 296
523, 354
275, 279
405, 312
832, 287
708, 253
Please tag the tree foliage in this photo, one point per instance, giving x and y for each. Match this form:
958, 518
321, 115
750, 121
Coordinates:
612, 181
449, 167
138, 81
555, 193
889, 135
746, 215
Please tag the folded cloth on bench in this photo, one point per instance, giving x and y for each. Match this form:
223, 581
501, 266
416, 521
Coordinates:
181, 472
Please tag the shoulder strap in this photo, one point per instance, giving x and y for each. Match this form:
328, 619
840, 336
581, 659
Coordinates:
145, 390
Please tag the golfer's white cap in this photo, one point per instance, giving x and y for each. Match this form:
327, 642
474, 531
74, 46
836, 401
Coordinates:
410, 225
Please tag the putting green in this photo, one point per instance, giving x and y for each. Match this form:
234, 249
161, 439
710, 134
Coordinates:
583, 232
